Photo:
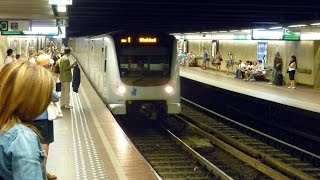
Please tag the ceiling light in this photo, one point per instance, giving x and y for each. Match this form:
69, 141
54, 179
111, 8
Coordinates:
259, 29
315, 24
62, 8
277, 27
298, 25
223, 31
233, 30
246, 30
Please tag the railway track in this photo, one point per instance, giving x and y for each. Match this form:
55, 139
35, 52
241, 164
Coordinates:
273, 157
180, 158
169, 156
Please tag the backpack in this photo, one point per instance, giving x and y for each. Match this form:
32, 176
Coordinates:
56, 68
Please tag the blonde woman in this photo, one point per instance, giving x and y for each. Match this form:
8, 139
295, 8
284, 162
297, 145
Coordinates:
25, 92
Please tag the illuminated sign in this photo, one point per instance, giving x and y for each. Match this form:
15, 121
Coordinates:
147, 40
275, 34
8, 33
289, 35
60, 2
126, 40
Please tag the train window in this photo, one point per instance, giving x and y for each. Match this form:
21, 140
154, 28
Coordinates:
145, 63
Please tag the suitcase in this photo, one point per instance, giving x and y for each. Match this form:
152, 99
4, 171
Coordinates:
278, 80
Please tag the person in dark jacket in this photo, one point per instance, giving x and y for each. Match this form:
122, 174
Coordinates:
76, 79
277, 67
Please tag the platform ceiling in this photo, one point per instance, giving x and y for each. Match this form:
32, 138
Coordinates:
99, 16
92, 17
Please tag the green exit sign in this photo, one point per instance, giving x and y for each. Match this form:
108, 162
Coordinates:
289, 35
3, 25
11, 33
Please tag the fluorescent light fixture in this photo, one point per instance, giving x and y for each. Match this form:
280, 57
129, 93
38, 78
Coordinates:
57, 2
276, 27
298, 25
234, 30
259, 29
267, 34
224, 36
197, 36
50, 31
246, 30
62, 8
223, 31
315, 24
310, 36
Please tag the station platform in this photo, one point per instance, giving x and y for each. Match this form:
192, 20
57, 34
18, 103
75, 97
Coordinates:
302, 97
90, 145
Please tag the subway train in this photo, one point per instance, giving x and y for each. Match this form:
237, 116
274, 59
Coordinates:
134, 73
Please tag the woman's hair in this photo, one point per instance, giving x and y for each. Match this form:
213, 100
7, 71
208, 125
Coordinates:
294, 59
25, 92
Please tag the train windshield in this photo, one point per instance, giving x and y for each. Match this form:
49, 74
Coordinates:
145, 65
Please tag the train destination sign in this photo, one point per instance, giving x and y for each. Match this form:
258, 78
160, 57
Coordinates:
142, 40
147, 40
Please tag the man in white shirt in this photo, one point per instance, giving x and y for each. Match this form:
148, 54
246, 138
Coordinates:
9, 58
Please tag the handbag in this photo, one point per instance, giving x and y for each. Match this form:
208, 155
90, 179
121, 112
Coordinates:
54, 111
58, 86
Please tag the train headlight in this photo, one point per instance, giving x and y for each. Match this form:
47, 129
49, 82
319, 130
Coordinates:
121, 89
169, 89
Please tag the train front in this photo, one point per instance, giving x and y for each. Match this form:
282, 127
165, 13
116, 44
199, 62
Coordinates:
149, 73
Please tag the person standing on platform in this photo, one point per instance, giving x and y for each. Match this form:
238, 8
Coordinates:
9, 58
42, 122
277, 67
205, 58
66, 78
229, 62
25, 93
292, 71
218, 61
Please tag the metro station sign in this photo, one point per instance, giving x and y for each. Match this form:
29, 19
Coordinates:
289, 35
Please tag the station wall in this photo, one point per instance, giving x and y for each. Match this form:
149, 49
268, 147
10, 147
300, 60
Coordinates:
307, 53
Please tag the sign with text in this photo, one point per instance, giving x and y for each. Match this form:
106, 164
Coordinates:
289, 35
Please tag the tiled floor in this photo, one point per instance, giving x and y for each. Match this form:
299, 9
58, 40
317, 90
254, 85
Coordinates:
89, 144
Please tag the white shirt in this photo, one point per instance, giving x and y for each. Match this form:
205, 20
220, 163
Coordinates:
8, 60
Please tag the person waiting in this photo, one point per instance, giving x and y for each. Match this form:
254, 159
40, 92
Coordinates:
205, 58
229, 62
217, 61
245, 72
277, 67
256, 70
241, 67
42, 122
25, 93
292, 70
9, 58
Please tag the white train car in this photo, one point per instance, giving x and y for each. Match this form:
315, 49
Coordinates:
134, 73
